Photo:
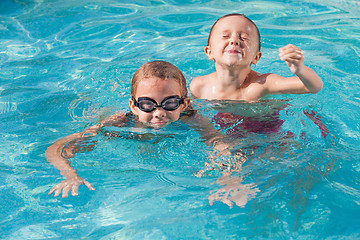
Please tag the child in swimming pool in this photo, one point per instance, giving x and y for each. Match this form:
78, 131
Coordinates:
158, 97
234, 45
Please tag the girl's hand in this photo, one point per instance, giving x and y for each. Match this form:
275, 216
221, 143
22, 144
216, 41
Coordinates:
70, 184
293, 56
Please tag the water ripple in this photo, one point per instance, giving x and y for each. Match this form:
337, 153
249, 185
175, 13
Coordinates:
65, 64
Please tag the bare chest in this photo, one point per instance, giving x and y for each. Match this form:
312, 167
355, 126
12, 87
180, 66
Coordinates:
252, 92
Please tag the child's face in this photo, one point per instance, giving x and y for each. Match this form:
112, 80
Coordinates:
234, 41
158, 89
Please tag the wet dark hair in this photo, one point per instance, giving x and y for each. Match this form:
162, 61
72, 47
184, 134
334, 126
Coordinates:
160, 69
235, 14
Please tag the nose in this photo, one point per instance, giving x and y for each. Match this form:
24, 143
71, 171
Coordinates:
234, 41
159, 112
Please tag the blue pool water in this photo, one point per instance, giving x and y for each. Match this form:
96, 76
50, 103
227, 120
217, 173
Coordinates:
66, 64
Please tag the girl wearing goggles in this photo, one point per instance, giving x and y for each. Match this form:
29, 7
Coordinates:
159, 95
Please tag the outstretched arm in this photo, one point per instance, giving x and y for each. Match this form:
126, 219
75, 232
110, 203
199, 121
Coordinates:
57, 158
307, 80
294, 58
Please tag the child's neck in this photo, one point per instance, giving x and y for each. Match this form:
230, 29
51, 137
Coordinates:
230, 79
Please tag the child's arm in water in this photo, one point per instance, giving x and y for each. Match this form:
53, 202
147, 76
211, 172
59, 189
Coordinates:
307, 81
54, 155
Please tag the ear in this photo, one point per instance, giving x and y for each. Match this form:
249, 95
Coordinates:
133, 108
209, 53
186, 104
256, 58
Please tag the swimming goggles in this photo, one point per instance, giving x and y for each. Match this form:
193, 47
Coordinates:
170, 103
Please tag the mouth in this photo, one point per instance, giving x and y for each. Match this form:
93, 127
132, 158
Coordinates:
233, 51
158, 124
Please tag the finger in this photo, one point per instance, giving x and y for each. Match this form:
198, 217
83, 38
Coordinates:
291, 61
228, 202
296, 52
289, 46
295, 61
292, 55
56, 189
284, 51
75, 190
291, 51
241, 204
89, 185
52, 190
211, 201
213, 197
57, 192
66, 191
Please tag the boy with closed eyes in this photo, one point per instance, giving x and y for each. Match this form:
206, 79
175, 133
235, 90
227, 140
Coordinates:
234, 45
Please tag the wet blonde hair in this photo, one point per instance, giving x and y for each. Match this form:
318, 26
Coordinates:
160, 69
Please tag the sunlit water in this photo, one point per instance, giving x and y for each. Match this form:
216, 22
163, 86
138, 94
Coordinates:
64, 65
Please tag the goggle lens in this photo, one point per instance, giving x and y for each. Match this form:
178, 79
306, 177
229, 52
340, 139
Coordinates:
148, 105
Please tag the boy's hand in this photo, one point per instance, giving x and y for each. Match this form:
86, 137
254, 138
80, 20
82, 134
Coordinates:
70, 184
233, 192
293, 56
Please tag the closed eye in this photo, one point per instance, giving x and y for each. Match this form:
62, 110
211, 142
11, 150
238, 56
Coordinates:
243, 37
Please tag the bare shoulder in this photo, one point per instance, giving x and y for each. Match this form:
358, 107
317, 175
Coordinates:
264, 80
270, 77
255, 86
118, 119
198, 85
259, 78
197, 82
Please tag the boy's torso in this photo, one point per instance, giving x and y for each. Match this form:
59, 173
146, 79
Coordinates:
252, 89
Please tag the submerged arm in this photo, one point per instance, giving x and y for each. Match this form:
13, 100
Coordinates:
54, 155
202, 125
57, 157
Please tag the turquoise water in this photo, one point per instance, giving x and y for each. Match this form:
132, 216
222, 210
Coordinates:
66, 64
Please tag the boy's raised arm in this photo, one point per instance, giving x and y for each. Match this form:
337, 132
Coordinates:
294, 58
